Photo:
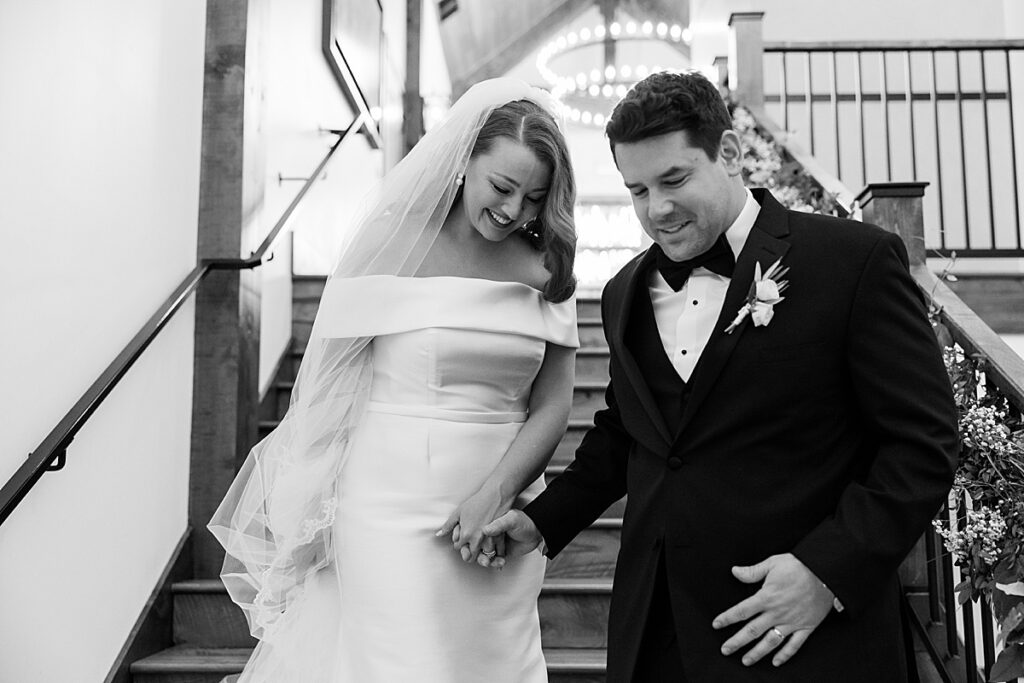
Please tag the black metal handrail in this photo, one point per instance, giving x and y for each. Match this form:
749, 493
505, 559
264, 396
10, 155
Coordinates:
51, 453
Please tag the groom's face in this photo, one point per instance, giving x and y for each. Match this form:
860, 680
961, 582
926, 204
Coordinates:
683, 198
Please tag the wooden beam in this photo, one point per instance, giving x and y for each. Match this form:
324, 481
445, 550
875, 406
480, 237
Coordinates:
225, 393
510, 52
412, 100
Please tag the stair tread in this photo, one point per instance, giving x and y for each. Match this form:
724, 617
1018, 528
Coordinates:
588, 384
190, 658
576, 659
231, 660
564, 585
573, 423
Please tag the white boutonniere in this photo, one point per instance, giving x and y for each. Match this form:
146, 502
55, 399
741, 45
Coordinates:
764, 294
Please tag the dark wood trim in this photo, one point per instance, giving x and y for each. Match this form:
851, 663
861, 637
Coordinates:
1003, 368
828, 182
412, 100
893, 45
153, 630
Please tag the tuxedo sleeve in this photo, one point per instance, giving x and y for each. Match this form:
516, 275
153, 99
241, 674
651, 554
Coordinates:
902, 392
593, 481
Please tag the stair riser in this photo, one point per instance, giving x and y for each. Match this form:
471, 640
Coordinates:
209, 620
592, 335
591, 555
179, 677
592, 367
212, 620
588, 308
574, 620
197, 677
586, 402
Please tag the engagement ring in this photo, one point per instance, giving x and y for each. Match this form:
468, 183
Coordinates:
488, 554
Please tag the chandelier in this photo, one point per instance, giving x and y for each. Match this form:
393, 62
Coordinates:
588, 96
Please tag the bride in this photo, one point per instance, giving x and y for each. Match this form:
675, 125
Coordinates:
435, 386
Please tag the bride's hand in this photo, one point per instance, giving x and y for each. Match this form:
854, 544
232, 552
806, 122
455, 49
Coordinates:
466, 523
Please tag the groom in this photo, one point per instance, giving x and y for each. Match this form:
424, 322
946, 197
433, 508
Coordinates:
779, 462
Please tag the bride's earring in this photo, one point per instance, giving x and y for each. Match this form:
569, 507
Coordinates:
459, 179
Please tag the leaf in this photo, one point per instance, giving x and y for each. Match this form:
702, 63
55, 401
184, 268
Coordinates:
1009, 664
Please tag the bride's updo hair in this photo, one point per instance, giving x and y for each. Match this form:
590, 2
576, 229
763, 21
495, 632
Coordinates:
554, 230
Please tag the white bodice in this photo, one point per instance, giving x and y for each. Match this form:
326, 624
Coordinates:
457, 348
468, 371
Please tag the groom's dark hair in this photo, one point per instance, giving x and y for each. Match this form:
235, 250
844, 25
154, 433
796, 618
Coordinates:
666, 102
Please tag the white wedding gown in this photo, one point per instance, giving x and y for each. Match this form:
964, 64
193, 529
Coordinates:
453, 363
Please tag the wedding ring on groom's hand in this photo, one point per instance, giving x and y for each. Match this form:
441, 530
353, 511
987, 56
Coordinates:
776, 631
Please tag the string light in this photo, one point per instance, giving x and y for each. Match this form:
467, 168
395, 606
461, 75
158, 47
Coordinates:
613, 80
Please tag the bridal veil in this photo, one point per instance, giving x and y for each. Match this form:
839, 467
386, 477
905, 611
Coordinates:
275, 521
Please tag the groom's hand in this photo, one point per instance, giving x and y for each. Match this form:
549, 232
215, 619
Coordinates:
784, 612
521, 533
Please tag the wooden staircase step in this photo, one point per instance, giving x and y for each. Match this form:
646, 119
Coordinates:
588, 307
591, 332
591, 555
187, 664
587, 398
565, 665
573, 613
592, 364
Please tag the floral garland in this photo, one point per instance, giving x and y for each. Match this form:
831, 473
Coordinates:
987, 502
765, 165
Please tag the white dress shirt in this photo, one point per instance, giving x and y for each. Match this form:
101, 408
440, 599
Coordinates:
687, 318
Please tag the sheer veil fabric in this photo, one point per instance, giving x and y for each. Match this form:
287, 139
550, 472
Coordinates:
275, 521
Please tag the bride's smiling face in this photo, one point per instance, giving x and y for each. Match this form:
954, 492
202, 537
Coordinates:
504, 188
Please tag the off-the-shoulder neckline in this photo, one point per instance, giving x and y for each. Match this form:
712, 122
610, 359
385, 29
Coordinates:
471, 279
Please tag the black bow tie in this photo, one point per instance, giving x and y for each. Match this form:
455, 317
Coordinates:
717, 259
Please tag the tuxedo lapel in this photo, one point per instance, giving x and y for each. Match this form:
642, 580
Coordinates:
764, 245
620, 350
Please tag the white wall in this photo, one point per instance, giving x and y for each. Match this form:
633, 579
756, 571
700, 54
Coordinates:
302, 100
323, 223
100, 125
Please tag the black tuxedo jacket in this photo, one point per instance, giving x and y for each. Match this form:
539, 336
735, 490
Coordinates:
829, 433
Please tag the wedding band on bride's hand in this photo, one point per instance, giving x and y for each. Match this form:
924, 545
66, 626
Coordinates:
488, 554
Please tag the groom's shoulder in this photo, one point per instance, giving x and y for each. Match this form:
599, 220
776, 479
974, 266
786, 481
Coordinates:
834, 234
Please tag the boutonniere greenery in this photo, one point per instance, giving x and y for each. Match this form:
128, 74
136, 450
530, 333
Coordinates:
764, 294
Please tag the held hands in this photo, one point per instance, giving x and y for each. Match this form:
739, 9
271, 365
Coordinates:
466, 527
520, 533
791, 603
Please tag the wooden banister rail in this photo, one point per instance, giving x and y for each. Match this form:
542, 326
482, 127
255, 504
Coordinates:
51, 453
893, 45
827, 181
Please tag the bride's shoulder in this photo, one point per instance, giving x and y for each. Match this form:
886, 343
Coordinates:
529, 264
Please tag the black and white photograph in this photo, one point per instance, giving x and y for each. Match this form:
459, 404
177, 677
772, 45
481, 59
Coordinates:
532, 341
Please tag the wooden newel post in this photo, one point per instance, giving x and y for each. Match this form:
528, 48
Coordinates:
225, 393
746, 55
721, 66
897, 207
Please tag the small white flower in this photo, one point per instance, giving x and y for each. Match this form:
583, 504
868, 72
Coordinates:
762, 313
766, 290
